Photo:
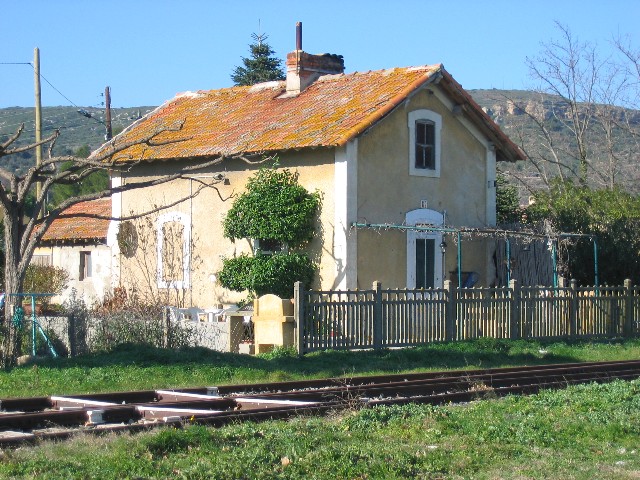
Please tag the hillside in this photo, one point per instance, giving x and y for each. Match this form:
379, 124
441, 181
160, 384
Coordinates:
610, 139
75, 129
511, 109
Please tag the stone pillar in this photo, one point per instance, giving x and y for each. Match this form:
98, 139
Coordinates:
273, 323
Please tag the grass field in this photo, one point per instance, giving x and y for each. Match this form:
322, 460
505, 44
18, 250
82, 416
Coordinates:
136, 367
584, 432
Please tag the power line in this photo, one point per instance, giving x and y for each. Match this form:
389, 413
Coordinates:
49, 83
62, 94
4, 127
43, 77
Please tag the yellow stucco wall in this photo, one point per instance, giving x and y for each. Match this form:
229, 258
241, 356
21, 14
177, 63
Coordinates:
207, 210
387, 191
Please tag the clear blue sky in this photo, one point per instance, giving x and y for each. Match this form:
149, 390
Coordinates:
149, 50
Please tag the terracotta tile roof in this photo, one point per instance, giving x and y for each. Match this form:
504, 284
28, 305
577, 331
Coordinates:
75, 228
262, 118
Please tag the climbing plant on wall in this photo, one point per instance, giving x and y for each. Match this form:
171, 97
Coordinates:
277, 215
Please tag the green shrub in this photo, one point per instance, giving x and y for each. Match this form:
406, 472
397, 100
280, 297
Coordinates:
264, 274
611, 215
236, 273
142, 327
280, 352
45, 279
277, 273
508, 209
78, 316
274, 207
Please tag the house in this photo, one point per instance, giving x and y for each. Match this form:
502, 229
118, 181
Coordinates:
398, 147
78, 242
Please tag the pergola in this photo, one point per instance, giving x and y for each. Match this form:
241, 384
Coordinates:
459, 232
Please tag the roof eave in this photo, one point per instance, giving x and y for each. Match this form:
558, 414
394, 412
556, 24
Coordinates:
66, 242
507, 150
389, 107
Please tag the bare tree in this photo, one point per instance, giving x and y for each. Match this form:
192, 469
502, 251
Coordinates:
581, 127
23, 233
630, 66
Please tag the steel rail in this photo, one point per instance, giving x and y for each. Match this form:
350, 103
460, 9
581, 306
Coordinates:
465, 381
31, 420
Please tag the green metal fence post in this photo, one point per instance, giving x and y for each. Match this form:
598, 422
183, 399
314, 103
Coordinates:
449, 322
459, 240
595, 263
554, 257
507, 245
573, 316
33, 325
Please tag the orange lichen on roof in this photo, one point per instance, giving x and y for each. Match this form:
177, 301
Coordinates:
78, 223
263, 118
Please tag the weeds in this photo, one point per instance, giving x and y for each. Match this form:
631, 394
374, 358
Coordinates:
120, 320
280, 352
586, 431
514, 437
136, 366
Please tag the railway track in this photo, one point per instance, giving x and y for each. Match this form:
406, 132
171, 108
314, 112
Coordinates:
30, 420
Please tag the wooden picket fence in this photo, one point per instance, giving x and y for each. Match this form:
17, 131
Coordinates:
383, 318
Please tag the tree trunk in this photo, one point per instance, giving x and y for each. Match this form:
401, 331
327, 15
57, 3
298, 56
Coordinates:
10, 333
13, 277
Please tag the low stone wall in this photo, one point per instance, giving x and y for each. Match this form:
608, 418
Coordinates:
58, 325
213, 335
214, 330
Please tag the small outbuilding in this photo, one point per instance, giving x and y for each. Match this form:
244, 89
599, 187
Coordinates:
78, 242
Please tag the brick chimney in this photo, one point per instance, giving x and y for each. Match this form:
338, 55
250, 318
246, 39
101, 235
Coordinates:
304, 68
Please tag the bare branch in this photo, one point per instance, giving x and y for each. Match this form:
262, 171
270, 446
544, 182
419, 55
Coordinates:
581, 94
29, 147
12, 139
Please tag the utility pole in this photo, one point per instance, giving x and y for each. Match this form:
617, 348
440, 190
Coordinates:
107, 105
36, 78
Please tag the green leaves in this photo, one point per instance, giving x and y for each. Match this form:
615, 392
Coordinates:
262, 66
277, 273
236, 273
507, 201
95, 182
45, 279
274, 207
611, 214
264, 274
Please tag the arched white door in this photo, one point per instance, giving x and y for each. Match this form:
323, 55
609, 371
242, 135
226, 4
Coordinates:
424, 257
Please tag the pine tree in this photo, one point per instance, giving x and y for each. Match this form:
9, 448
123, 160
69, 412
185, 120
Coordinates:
262, 66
